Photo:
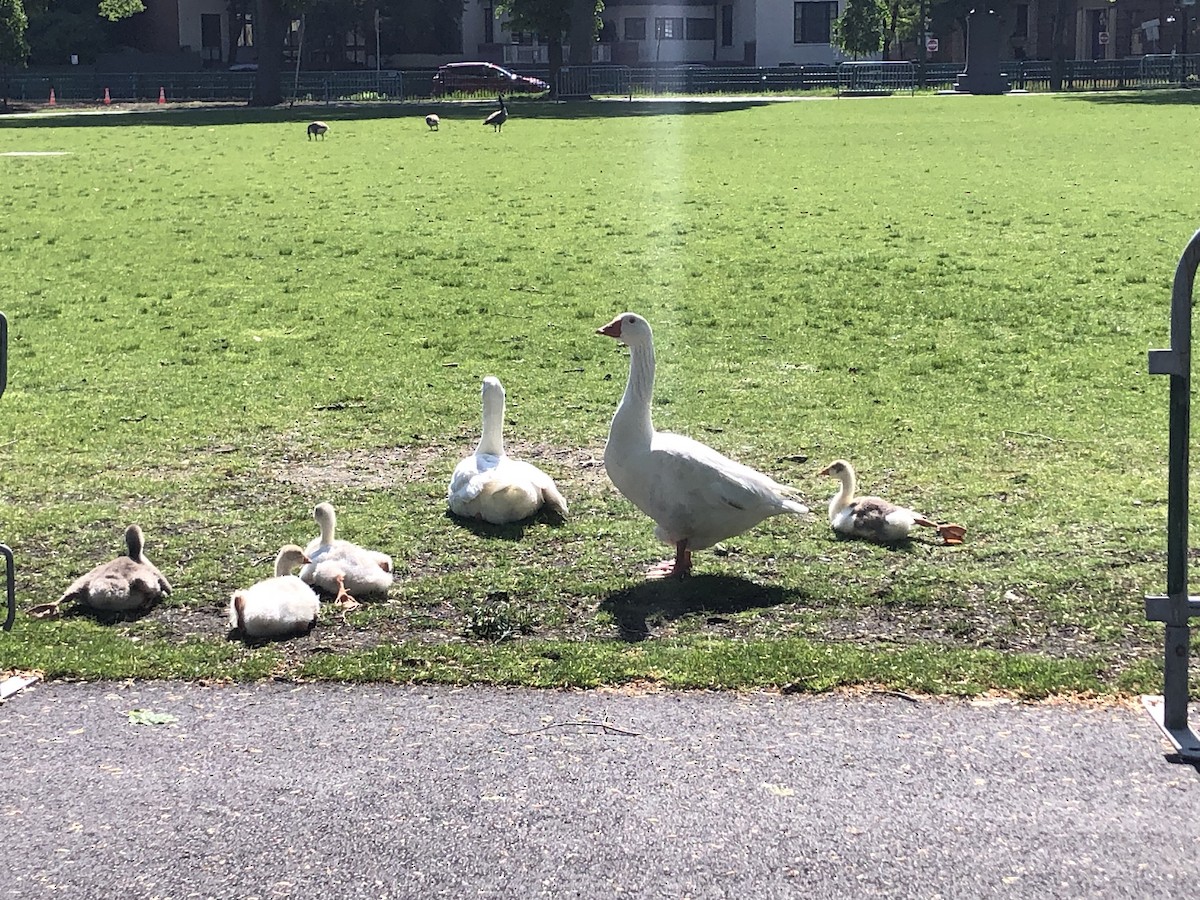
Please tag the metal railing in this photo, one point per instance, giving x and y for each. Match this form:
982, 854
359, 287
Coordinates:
1176, 606
875, 77
612, 80
10, 585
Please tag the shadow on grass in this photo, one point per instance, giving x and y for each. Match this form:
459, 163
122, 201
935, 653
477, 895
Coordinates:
512, 531
465, 112
636, 607
1168, 97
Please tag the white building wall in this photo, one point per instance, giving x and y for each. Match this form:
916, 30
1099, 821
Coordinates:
189, 23
776, 37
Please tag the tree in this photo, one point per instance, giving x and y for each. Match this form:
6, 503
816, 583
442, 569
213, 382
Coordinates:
553, 19
271, 21
13, 48
859, 31
902, 24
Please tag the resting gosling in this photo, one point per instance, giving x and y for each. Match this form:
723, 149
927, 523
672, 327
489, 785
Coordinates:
342, 568
276, 607
129, 582
873, 518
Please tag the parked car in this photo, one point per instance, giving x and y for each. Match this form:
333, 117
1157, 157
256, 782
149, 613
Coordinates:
483, 78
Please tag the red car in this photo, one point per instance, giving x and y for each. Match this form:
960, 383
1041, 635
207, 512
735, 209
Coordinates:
483, 78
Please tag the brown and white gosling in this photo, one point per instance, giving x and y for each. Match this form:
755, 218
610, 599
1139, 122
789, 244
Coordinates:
873, 518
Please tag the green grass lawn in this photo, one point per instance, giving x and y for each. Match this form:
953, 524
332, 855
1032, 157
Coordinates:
217, 323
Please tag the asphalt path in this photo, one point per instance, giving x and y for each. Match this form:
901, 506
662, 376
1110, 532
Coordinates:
336, 791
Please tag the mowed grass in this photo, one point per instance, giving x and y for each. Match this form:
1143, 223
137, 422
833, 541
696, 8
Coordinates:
217, 323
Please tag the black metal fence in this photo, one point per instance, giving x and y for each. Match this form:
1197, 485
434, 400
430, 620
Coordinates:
606, 80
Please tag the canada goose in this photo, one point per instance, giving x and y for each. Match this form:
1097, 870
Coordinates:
432, 121
317, 129
499, 117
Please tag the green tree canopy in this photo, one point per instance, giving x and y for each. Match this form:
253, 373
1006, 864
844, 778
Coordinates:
13, 22
859, 30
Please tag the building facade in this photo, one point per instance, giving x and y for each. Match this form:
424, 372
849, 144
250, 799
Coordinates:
699, 32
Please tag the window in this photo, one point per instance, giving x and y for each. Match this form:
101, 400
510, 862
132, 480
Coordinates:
1022, 24
727, 25
635, 29
489, 25
701, 29
813, 22
668, 29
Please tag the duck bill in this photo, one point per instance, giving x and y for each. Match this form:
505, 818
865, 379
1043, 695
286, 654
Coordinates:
612, 329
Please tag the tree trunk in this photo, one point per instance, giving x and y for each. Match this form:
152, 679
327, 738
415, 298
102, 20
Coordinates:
1064, 10
270, 26
555, 51
583, 31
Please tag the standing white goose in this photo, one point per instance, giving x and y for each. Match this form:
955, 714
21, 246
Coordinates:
492, 486
276, 607
873, 518
696, 496
342, 568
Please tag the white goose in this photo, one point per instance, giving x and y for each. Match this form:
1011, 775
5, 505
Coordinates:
696, 496
126, 583
873, 518
342, 568
276, 607
492, 486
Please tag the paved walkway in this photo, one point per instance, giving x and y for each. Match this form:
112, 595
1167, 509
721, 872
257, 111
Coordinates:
339, 791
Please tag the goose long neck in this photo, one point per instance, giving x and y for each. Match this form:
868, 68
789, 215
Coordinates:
633, 415
327, 522
845, 493
134, 543
492, 439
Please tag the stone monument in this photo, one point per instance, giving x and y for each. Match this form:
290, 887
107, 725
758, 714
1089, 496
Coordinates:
983, 75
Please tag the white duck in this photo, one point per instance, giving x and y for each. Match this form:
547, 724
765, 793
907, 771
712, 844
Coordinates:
276, 607
873, 518
342, 568
494, 487
126, 583
696, 496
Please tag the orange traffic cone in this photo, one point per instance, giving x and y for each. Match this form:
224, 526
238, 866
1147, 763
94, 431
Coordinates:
107, 98
162, 95
52, 101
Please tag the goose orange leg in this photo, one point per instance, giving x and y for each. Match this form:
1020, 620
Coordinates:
679, 567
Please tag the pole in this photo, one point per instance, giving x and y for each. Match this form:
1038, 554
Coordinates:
921, 37
377, 61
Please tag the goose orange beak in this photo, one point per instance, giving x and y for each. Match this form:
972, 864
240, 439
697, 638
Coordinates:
612, 329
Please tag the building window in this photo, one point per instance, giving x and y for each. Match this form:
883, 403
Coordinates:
670, 29
489, 25
1021, 28
635, 29
727, 25
701, 29
813, 22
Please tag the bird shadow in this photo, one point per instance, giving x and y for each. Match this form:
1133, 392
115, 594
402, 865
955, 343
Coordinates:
510, 531
634, 609
76, 610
